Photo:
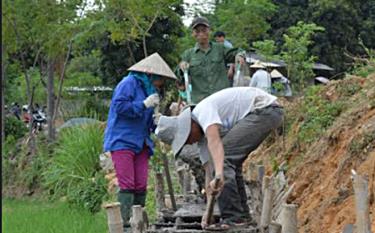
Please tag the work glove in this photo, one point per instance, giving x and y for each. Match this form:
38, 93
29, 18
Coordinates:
152, 101
156, 118
184, 65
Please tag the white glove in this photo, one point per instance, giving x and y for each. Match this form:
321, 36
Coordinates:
152, 101
156, 118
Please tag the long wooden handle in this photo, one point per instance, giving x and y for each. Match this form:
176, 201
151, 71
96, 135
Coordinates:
211, 202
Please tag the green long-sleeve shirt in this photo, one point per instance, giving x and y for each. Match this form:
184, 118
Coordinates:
207, 70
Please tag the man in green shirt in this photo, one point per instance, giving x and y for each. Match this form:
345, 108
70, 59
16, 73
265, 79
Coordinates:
205, 62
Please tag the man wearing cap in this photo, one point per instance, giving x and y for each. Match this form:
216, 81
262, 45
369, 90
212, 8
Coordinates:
206, 62
227, 125
220, 38
129, 125
261, 78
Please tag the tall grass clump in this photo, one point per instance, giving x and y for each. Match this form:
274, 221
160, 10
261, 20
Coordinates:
74, 170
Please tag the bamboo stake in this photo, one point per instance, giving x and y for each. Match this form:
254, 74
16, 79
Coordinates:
136, 222
274, 227
289, 218
282, 200
265, 218
187, 183
159, 194
169, 180
362, 223
115, 223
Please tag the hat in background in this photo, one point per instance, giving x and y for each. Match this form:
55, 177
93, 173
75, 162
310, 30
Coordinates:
154, 64
257, 64
276, 74
175, 130
200, 20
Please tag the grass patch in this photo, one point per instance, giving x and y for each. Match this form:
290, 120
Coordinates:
35, 216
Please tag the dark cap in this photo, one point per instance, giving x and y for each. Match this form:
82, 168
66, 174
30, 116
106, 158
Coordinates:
219, 34
200, 20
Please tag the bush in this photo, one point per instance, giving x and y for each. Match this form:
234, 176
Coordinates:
318, 114
74, 169
14, 127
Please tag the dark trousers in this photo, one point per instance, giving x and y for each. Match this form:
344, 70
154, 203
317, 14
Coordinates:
242, 139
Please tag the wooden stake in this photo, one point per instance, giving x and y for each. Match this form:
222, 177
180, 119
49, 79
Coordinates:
187, 183
169, 180
261, 172
115, 223
136, 221
265, 218
159, 194
274, 227
289, 219
362, 224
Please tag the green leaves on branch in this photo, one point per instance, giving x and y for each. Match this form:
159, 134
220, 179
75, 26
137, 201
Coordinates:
267, 49
296, 52
244, 21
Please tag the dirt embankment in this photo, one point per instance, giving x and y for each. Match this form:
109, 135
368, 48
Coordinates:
321, 167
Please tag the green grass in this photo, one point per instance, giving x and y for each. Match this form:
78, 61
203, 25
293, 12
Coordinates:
34, 216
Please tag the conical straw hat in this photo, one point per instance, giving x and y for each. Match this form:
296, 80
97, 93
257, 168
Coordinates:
276, 74
153, 64
257, 64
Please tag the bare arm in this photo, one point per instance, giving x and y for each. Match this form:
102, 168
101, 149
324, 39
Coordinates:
215, 146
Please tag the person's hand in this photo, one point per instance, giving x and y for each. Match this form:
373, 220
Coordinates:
216, 186
156, 118
230, 73
240, 60
152, 101
184, 65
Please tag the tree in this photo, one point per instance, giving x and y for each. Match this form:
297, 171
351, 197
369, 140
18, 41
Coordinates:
38, 33
296, 54
267, 49
243, 21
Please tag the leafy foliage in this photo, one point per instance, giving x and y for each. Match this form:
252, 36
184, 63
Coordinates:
267, 49
74, 169
243, 21
317, 114
296, 52
14, 127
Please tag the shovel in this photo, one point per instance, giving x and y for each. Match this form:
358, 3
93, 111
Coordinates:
208, 214
187, 86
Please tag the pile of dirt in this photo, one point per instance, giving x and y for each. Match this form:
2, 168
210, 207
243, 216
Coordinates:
321, 168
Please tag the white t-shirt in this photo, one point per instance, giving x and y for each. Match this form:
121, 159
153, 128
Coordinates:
227, 107
261, 79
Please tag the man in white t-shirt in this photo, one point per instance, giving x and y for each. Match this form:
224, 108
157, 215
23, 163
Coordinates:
227, 125
261, 78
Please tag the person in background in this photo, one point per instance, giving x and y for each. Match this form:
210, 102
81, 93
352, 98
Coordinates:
130, 123
206, 62
16, 110
220, 38
261, 78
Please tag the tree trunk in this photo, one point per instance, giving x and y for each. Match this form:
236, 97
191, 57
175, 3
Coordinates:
50, 100
61, 83
2, 92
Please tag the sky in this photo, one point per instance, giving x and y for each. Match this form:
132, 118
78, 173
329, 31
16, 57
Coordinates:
187, 19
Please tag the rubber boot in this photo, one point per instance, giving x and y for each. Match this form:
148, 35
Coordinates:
126, 199
140, 199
